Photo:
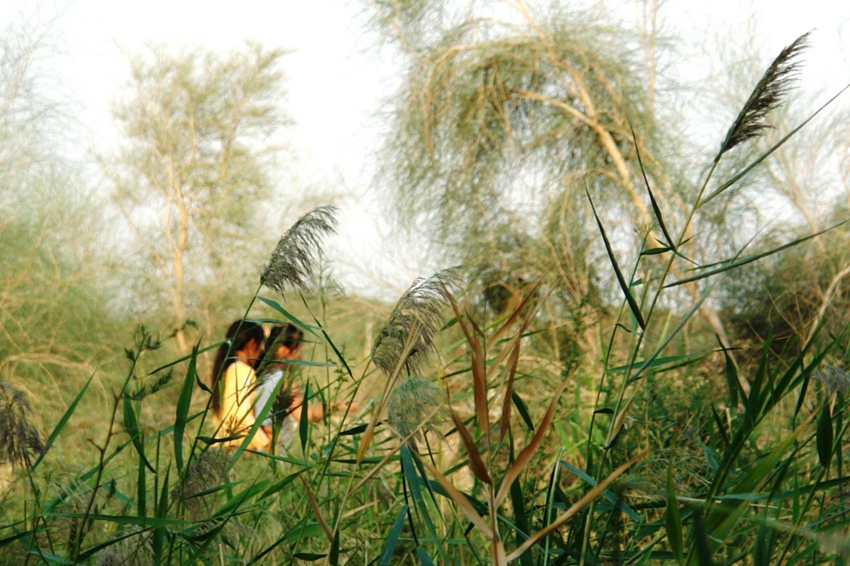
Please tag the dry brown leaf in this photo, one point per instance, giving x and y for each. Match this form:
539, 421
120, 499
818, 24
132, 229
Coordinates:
461, 501
316, 511
476, 464
524, 457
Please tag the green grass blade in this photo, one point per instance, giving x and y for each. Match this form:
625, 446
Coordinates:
522, 410
423, 557
392, 538
673, 520
655, 207
738, 262
633, 306
131, 425
414, 482
161, 512
62, 422
303, 426
825, 436
183, 404
289, 316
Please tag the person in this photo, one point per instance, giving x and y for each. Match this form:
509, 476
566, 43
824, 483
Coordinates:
233, 382
287, 406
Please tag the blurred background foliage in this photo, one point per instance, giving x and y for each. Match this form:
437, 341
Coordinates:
508, 115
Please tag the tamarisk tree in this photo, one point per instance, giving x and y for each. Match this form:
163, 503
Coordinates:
194, 164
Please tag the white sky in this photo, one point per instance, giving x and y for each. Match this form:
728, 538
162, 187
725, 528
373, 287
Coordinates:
335, 82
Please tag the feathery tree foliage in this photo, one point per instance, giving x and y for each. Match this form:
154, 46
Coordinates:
53, 321
507, 113
194, 168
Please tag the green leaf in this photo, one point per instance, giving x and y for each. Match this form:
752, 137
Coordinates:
131, 425
303, 427
522, 410
333, 559
338, 354
62, 422
738, 262
607, 494
701, 544
392, 537
161, 512
521, 520
824, 435
673, 521
633, 306
732, 382
423, 557
142, 489
183, 404
289, 316
414, 483
655, 206
354, 430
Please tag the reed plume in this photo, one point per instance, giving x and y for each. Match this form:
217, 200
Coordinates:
768, 94
296, 251
19, 438
414, 405
413, 324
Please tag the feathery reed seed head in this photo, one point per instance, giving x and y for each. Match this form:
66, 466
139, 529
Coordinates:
412, 404
296, 251
19, 438
833, 379
413, 324
207, 471
768, 94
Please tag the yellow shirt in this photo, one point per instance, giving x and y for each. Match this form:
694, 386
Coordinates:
237, 406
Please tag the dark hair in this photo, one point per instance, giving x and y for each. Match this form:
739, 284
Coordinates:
292, 336
238, 335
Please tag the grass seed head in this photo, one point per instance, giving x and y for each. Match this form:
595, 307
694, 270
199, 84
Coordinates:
292, 260
206, 472
19, 438
768, 94
415, 401
833, 379
413, 324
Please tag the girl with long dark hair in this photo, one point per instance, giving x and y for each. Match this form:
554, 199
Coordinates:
233, 381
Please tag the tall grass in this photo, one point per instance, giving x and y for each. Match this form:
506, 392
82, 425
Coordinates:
469, 447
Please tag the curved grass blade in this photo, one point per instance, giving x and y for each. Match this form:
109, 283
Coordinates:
62, 422
289, 316
589, 497
738, 262
392, 538
423, 557
673, 521
825, 435
479, 371
633, 306
460, 500
655, 207
161, 513
131, 425
304, 425
183, 404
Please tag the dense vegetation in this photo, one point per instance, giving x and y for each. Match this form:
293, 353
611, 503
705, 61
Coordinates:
624, 367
